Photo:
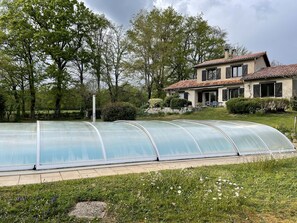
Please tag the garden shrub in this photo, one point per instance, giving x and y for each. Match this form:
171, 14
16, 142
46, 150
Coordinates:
251, 105
293, 103
242, 105
177, 103
274, 104
118, 111
168, 99
155, 102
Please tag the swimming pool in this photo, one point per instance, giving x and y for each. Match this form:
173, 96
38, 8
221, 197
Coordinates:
55, 144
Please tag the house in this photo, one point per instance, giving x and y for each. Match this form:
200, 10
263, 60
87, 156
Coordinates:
233, 76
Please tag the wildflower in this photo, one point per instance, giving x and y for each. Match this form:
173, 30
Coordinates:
236, 194
179, 191
171, 188
214, 198
179, 187
219, 194
201, 179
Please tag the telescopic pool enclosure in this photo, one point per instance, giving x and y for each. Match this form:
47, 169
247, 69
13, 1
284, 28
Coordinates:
48, 144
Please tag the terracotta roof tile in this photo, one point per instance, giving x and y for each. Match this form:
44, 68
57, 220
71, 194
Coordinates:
273, 72
234, 59
195, 84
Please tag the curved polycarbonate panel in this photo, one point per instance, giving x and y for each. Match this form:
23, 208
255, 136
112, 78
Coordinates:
210, 140
275, 140
125, 143
172, 141
245, 140
49, 145
17, 146
64, 144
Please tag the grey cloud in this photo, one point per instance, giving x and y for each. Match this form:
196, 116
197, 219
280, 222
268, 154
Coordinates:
120, 11
263, 9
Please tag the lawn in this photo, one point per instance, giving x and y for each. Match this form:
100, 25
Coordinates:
264, 191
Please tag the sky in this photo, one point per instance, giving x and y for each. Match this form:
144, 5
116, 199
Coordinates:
258, 25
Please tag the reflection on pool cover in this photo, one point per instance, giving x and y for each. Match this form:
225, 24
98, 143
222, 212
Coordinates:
49, 144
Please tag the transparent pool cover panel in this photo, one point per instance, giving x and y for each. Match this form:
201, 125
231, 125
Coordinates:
275, 140
69, 144
245, 140
17, 146
211, 141
125, 143
48, 145
172, 142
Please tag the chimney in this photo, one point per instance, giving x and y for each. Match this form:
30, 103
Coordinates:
233, 52
227, 52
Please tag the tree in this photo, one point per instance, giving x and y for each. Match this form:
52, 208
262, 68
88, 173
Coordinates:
113, 56
166, 45
11, 80
205, 42
60, 27
95, 43
17, 37
153, 39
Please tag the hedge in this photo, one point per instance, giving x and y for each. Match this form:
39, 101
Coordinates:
177, 103
168, 99
118, 111
155, 103
293, 103
251, 105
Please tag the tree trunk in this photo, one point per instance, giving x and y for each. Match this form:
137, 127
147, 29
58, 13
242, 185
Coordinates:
59, 94
23, 98
32, 98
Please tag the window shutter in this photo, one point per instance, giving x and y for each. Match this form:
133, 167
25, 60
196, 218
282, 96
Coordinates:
241, 92
256, 90
218, 73
225, 95
244, 69
228, 72
204, 75
278, 89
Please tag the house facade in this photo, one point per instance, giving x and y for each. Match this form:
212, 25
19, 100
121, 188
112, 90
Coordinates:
248, 76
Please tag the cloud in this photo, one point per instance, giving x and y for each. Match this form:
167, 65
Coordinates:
259, 25
121, 12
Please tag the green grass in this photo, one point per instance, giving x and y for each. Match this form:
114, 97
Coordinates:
264, 191
283, 121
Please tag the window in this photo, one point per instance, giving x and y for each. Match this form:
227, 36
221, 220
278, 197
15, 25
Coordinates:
232, 93
271, 89
211, 74
236, 71
267, 90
